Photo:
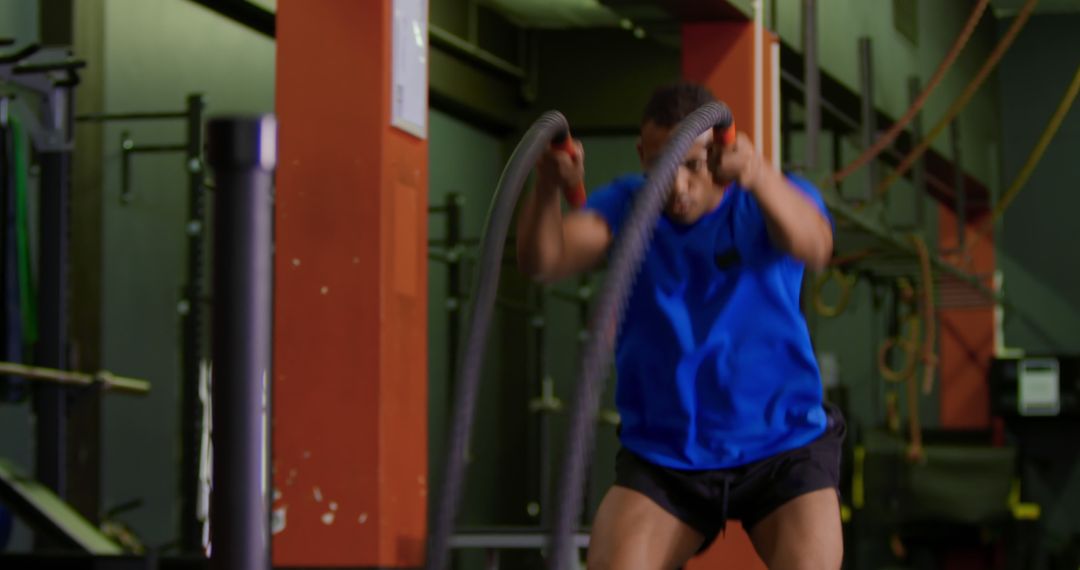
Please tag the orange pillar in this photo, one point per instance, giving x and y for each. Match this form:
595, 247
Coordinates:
967, 335
965, 351
732, 550
350, 354
720, 55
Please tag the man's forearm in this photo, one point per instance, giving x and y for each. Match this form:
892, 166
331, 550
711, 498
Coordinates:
539, 231
795, 223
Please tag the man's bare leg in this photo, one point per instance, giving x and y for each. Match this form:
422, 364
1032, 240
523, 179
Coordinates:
631, 532
803, 534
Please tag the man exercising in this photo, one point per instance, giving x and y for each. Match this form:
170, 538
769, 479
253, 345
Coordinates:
718, 388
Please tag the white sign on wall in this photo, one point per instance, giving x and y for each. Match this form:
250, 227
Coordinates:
1040, 388
409, 57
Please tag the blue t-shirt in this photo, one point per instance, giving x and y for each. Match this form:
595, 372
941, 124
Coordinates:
714, 361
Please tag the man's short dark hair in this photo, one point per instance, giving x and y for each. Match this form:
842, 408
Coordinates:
672, 103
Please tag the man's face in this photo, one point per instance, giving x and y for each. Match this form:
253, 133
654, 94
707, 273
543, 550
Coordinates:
693, 193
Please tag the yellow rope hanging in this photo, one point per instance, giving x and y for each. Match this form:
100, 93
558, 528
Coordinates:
894, 131
846, 283
929, 359
1033, 159
961, 101
909, 344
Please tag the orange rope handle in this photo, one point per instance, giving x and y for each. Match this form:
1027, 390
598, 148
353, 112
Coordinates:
897, 127
961, 101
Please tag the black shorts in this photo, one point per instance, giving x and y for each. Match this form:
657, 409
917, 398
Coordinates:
706, 500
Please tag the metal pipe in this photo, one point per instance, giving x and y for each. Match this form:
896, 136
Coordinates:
918, 172
128, 148
107, 379
869, 118
851, 123
812, 81
10, 59
958, 177
50, 404
453, 288
446, 40
126, 194
152, 116
848, 121
837, 156
39, 83
786, 128
545, 387
582, 302
157, 148
774, 94
759, 74
67, 64
241, 152
193, 334
844, 211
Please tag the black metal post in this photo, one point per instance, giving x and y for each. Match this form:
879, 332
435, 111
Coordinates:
869, 117
50, 405
812, 82
106, 117
918, 171
546, 407
192, 337
958, 177
454, 301
786, 131
584, 294
837, 154
242, 154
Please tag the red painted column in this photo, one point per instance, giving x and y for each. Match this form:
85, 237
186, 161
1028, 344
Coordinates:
967, 335
350, 353
965, 351
720, 55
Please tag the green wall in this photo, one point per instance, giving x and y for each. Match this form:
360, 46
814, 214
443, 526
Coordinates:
895, 58
841, 23
1035, 250
1040, 277
466, 161
18, 21
155, 53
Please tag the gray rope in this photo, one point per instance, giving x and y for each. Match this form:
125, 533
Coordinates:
485, 286
626, 258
